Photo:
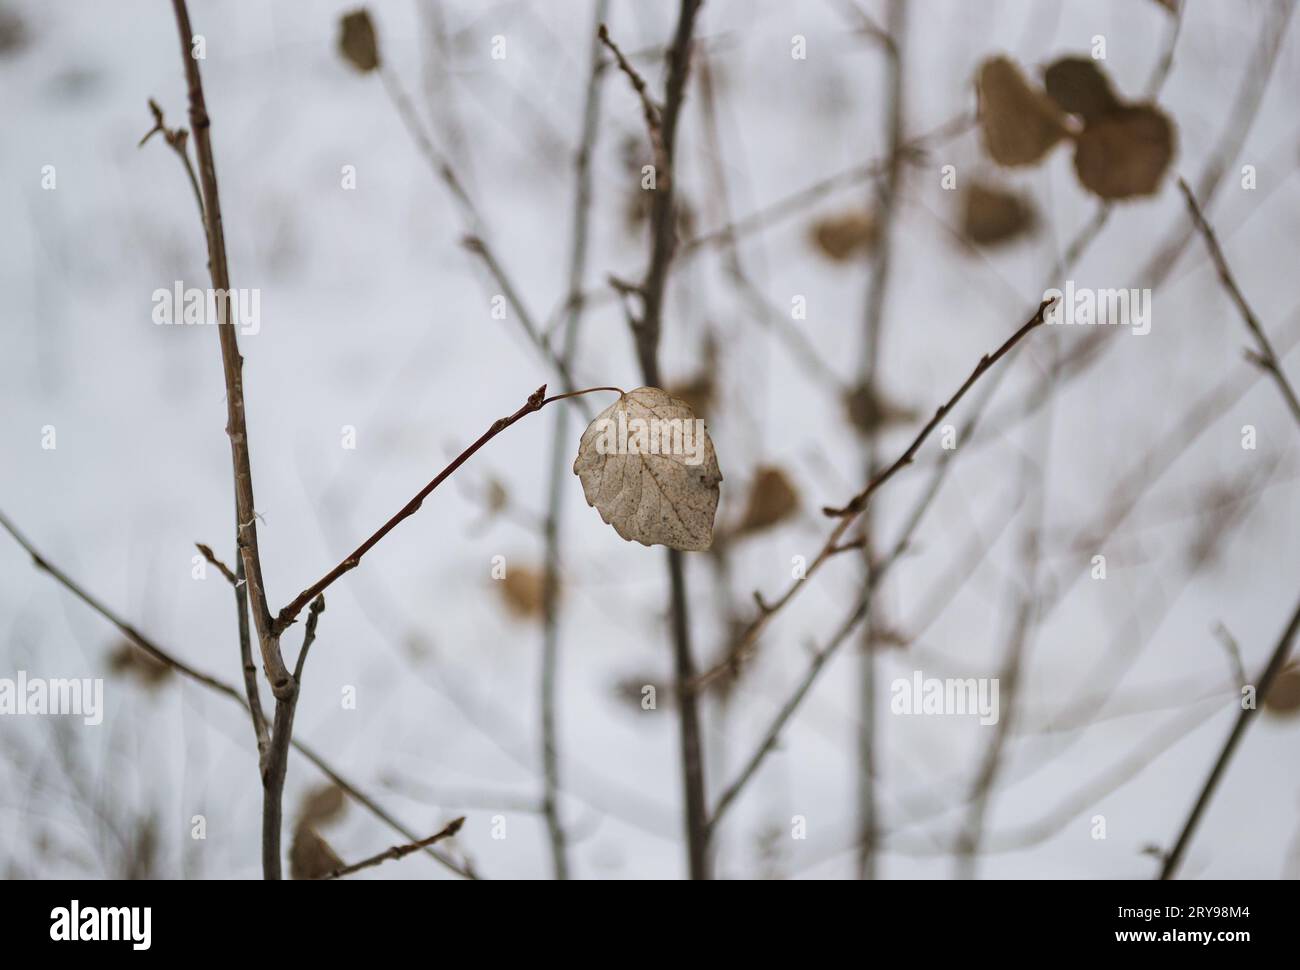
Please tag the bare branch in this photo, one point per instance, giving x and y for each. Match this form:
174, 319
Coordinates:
398, 851
212, 683
1276, 661
1265, 357
536, 401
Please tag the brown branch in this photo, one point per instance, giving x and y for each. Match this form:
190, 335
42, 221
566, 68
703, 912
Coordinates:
645, 332
212, 683
251, 691
232, 364
536, 401
1276, 661
849, 513
282, 684
1265, 357
398, 851
177, 139
653, 116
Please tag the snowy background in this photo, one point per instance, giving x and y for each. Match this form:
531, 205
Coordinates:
374, 316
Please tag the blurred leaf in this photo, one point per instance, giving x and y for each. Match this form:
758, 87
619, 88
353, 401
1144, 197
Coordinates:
991, 215
841, 236
1080, 87
772, 500
1020, 123
522, 591
13, 33
1125, 154
129, 661
1284, 696
357, 42
320, 805
310, 856
496, 496
868, 412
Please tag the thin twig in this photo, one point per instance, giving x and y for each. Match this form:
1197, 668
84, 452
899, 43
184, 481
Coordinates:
548, 682
1276, 661
1266, 358
536, 401
474, 240
212, 683
398, 851
251, 691
232, 362
849, 512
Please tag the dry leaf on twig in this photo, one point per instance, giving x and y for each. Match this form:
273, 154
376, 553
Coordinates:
1020, 123
648, 467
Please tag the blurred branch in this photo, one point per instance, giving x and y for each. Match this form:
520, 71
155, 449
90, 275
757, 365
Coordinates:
909, 151
1265, 358
1276, 661
646, 332
474, 240
581, 222
886, 198
849, 512
212, 683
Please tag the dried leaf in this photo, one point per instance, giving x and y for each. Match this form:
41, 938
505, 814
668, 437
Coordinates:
128, 660
310, 856
698, 391
320, 805
1283, 697
842, 236
357, 42
522, 589
1080, 87
695, 392
496, 496
648, 467
991, 215
1125, 154
869, 412
772, 500
1020, 123
13, 33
